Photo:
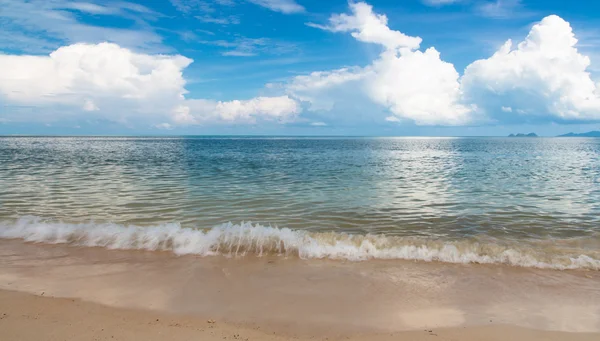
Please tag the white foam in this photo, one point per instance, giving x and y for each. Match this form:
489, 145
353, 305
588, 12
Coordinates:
247, 238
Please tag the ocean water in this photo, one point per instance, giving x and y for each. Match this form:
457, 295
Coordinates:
529, 202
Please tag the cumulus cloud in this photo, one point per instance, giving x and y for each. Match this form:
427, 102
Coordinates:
543, 77
369, 27
94, 77
412, 84
279, 109
181, 115
116, 83
418, 86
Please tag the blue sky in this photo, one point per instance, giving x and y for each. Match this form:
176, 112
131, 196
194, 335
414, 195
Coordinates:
298, 67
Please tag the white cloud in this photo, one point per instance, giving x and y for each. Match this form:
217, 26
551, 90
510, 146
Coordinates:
415, 85
208, 6
412, 84
90, 106
93, 77
542, 76
318, 124
226, 20
165, 126
115, 83
90, 8
236, 53
41, 25
418, 86
280, 109
181, 115
322, 89
325, 79
248, 47
369, 27
283, 6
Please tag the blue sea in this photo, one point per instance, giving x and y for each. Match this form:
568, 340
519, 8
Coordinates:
526, 202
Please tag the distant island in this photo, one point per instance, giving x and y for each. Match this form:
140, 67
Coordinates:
523, 135
594, 133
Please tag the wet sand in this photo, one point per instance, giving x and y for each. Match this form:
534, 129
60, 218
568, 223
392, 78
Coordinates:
93, 293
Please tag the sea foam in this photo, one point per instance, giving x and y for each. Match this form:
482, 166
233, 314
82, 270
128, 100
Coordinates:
248, 239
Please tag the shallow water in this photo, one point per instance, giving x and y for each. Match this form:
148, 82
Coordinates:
320, 297
531, 202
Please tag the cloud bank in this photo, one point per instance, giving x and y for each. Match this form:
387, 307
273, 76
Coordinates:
115, 83
279, 109
544, 76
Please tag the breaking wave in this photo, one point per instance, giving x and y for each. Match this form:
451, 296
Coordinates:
254, 239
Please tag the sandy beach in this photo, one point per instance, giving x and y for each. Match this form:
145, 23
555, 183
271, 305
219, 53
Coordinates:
57, 292
27, 317
278, 170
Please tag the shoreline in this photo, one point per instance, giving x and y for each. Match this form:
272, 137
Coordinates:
246, 238
28, 317
288, 298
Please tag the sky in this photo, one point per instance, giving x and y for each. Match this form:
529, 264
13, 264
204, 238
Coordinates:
299, 67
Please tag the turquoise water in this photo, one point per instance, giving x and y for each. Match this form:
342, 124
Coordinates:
480, 197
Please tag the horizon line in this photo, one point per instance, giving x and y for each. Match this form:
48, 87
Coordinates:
272, 135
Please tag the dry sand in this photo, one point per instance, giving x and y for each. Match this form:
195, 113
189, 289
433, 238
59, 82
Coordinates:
64, 293
26, 317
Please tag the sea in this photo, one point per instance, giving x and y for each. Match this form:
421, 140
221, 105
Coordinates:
516, 202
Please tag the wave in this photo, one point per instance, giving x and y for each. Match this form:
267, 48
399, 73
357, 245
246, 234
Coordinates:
254, 239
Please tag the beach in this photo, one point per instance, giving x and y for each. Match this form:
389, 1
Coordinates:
299, 238
300, 170
91, 293
30, 318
